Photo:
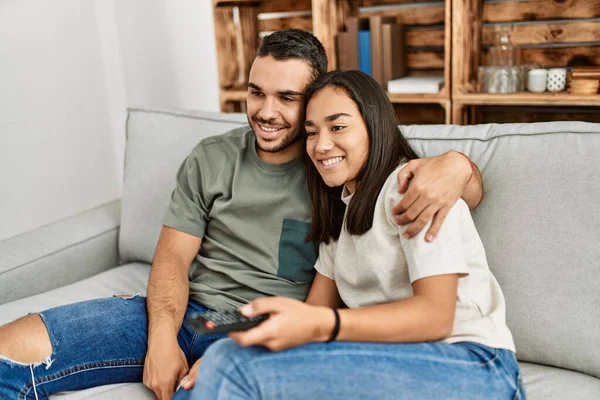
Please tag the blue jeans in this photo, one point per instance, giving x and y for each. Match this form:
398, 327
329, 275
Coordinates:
348, 370
96, 342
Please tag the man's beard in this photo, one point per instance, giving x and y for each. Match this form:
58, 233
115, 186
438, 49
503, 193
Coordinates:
291, 138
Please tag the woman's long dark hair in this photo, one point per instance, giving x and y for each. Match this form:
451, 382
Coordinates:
387, 149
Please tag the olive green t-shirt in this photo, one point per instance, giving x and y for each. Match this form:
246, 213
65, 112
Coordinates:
253, 219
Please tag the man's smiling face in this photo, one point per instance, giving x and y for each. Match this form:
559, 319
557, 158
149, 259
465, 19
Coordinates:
274, 106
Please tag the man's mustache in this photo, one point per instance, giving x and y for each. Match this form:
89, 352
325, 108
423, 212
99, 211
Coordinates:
272, 123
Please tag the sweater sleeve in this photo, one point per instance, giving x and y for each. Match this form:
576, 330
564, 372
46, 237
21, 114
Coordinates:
445, 254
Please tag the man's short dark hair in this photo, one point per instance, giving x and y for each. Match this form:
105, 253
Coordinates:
295, 44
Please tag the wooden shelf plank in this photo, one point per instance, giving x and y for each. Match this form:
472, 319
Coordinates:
542, 33
240, 95
285, 6
233, 95
297, 22
527, 99
218, 3
227, 50
393, 2
538, 10
433, 15
325, 24
268, 5
418, 98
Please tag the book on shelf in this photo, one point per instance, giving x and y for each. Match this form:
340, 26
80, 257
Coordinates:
347, 50
394, 55
416, 85
374, 45
365, 52
347, 44
376, 29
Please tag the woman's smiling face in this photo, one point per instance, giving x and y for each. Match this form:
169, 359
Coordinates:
337, 138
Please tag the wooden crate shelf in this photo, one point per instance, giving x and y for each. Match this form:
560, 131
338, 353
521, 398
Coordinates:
551, 33
449, 37
427, 38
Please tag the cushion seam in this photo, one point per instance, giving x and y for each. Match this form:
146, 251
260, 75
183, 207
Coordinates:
500, 135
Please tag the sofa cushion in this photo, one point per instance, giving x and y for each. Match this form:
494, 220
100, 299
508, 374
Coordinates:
129, 278
540, 224
157, 143
548, 383
121, 391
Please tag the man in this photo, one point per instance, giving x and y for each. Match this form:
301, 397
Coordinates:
241, 211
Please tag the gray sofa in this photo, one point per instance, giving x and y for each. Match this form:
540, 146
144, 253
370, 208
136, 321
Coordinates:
539, 221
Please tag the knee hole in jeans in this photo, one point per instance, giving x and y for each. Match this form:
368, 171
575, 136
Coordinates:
17, 341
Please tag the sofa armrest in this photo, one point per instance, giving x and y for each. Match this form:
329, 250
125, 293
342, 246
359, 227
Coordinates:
60, 253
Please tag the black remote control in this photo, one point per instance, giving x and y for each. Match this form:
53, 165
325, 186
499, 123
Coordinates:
212, 321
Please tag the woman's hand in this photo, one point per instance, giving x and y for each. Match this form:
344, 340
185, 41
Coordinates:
291, 323
189, 380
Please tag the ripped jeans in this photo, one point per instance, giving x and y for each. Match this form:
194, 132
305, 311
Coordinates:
96, 342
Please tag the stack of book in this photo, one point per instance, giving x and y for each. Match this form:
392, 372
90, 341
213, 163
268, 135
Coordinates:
584, 80
416, 84
374, 45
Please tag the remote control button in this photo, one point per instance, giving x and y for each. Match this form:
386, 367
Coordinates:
209, 325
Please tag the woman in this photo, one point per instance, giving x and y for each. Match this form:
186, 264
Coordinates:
423, 319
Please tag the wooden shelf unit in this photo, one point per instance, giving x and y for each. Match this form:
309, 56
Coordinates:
449, 37
428, 39
551, 33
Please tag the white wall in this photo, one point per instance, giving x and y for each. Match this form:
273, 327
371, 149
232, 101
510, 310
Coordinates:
169, 53
68, 70
58, 153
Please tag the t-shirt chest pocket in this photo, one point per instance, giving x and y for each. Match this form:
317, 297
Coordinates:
297, 257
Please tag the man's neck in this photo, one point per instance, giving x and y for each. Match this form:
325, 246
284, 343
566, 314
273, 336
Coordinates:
283, 156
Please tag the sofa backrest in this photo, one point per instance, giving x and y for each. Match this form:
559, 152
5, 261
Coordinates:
540, 224
539, 220
157, 143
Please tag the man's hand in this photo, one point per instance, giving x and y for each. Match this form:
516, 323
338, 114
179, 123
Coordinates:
190, 379
164, 368
431, 186
291, 323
